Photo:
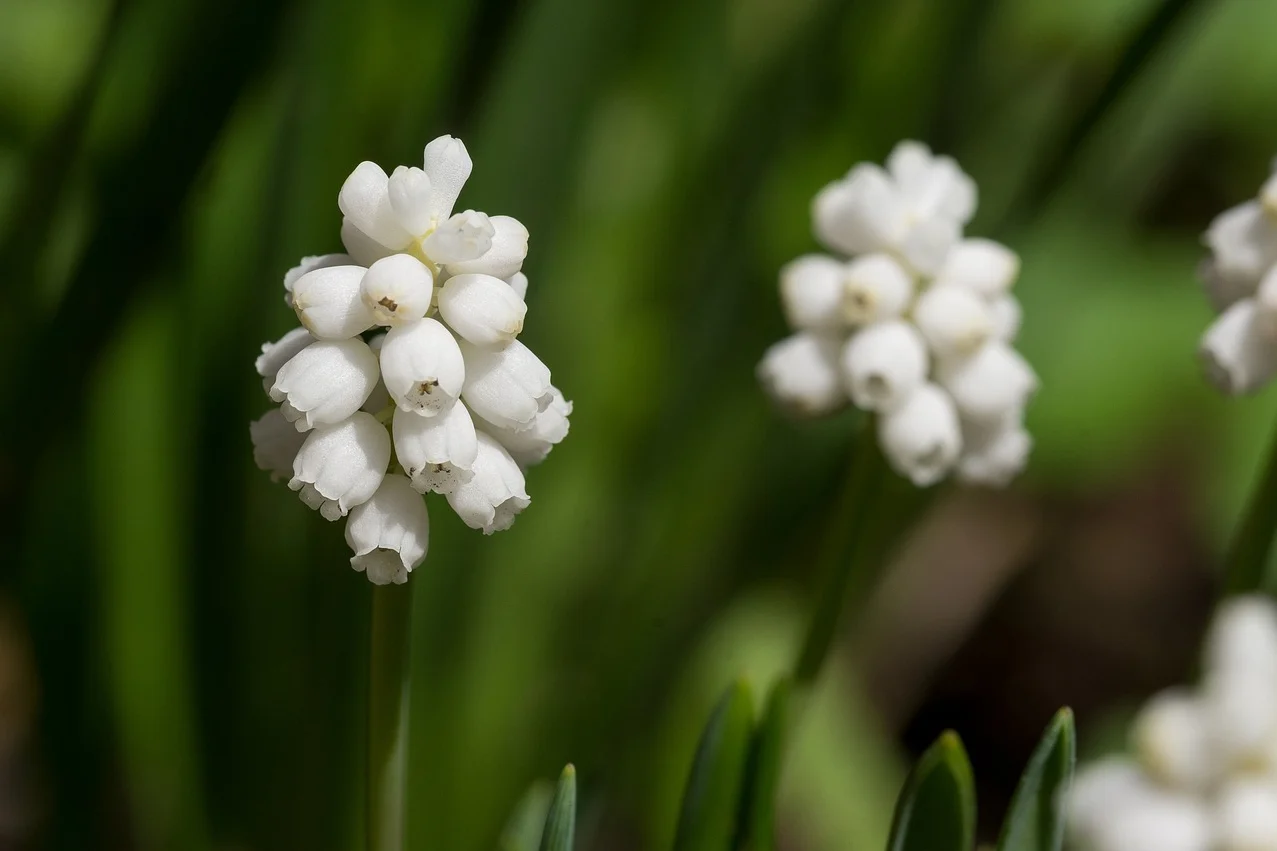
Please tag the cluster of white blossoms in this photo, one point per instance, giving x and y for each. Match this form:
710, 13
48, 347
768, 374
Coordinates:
1204, 773
406, 376
912, 321
1240, 349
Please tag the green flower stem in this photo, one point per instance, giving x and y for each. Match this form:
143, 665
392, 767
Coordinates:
1247, 558
388, 691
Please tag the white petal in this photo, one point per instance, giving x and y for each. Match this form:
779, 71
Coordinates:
437, 453
860, 213
505, 258
1224, 289
876, 288
365, 200
508, 387
1243, 716
341, 465
929, 242
276, 354
1172, 739
275, 444
1100, 791
1246, 815
1266, 304
465, 236
991, 383
1006, 314
482, 309
448, 165
411, 199
519, 283
389, 533
909, 165
422, 367
1244, 241
954, 321
811, 292
328, 304
1243, 638
1158, 820
801, 373
982, 265
362, 248
326, 382
884, 364
397, 289
310, 264
496, 492
1238, 356
921, 439
942, 190
531, 446
994, 454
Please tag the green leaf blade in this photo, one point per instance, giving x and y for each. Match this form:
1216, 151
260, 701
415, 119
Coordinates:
759, 814
936, 809
560, 822
1035, 820
713, 797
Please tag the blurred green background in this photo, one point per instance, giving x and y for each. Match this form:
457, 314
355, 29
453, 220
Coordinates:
182, 644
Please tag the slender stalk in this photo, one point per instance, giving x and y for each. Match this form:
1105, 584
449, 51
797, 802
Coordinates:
388, 689
1247, 558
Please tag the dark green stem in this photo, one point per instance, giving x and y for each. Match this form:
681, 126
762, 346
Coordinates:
1244, 567
388, 688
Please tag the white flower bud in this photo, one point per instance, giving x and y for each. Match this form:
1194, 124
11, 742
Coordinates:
994, 454
508, 387
362, 249
1006, 314
448, 164
1172, 740
412, 199
397, 289
1158, 821
1244, 241
1237, 355
928, 242
465, 236
1268, 196
531, 446
341, 465
1243, 713
389, 533
931, 186
275, 355
801, 374
876, 287
365, 201
954, 321
1243, 638
482, 309
327, 302
860, 213
325, 382
1266, 304
505, 258
921, 439
519, 283
1224, 288
437, 453
811, 292
275, 444
1246, 815
310, 264
496, 492
1099, 791
883, 364
989, 384
986, 267
422, 367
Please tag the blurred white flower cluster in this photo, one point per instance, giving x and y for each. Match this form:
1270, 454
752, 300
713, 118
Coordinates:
1240, 349
912, 321
406, 376
1204, 773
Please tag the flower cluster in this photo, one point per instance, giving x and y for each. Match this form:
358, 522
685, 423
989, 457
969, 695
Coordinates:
1204, 773
406, 376
912, 322
1240, 349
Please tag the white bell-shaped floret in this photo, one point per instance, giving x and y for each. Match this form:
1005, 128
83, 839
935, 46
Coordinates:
362, 249
884, 364
1159, 820
310, 264
341, 465
1266, 304
505, 258
508, 387
1173, 740
329, 305
932, 187
448, 164
811, 292
389, 533
801, 373
875, 288
519, 283
532, 445
989, 384
1268, 195
1246, 815
275, 355
422, 367
994, 453
1243, 715
437, 453
1236, 353
860, 213
921, 439
1242, 639
1006, 315
986, 267
465, 236
482, 309
412, 199
325, 382
365, 202
495, 493
1243, 240
397, 289
928, 242
1099, 791
954, 321
275, 444
1224, 288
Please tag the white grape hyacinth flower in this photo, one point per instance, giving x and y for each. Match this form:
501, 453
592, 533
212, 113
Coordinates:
1202, 775
910, 320
406, 376
1239, 349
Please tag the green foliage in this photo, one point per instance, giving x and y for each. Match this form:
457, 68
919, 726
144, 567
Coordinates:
936, 809
560, 822
757, 830
1035, 821
712, 801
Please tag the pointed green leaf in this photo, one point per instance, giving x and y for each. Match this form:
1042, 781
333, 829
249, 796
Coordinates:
560, 822
1034, 822
526, 824
936, 808
759, 814
712, 800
